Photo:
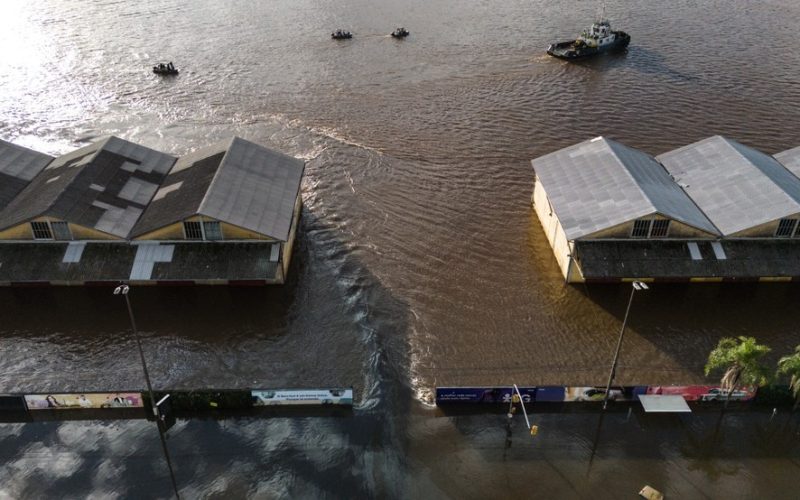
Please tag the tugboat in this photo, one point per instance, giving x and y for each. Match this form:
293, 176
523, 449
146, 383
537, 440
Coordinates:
341, 35
165, 69
400, 33
599, 38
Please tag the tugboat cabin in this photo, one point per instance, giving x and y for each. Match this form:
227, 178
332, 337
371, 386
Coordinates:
599, 34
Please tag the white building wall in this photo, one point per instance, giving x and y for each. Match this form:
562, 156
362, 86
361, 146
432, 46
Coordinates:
555, 234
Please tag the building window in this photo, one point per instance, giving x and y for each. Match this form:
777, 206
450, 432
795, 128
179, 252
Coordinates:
61, 230
193, 230
41, 231
641, 228
786, 228
649, 228
660, 228
212, 230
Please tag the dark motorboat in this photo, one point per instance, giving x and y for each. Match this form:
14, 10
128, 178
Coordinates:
341, 35
600, 38
400, 33
165, 69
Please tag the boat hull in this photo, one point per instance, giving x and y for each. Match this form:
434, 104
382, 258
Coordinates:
160, 71
570, 50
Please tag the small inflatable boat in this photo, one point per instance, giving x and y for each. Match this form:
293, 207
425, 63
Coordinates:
341, 35
165, 69
400, 33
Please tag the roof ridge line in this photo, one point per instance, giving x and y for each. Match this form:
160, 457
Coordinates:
216, 175
675, 183
610, 143
733, 143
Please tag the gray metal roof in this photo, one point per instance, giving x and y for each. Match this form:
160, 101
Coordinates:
18, 165
790, 159
240, 183
737, 187
255, 188
105, 185
183, 190
600, 183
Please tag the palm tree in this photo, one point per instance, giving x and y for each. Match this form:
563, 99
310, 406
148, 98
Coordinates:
790, 365
740, 359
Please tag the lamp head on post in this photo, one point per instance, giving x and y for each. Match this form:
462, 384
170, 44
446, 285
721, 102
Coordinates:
122, 289
637, 285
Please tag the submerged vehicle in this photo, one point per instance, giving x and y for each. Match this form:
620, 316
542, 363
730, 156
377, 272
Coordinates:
165, 69
341, 35
400, 33
599, 38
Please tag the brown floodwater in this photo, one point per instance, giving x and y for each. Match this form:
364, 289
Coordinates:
419, 260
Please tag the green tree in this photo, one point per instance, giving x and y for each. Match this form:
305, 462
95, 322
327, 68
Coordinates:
740, 360
790, 366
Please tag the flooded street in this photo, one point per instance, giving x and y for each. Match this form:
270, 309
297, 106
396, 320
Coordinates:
419, 261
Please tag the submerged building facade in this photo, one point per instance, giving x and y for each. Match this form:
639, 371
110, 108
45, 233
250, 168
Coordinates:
117, 211
715, 210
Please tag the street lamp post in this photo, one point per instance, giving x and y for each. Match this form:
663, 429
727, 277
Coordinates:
637, 286
123, 290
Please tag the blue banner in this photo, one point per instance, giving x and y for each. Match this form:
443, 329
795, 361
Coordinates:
482, 394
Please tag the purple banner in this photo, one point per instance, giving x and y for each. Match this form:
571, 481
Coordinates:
482, 394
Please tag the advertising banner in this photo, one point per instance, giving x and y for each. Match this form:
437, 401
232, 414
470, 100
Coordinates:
302, 397
482, 394
703, 392
550, 394
84, 400
597, 393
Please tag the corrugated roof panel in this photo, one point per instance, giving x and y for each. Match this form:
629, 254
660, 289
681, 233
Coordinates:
790, 159
138, 191
22, 163
735, 186
599, 184
255, 188
74, 252
694, 250
18, 166
84, 187
183, 191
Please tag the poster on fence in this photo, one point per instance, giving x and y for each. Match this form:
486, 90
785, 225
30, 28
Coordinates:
703, 392
482, 394
84, 400
303, 397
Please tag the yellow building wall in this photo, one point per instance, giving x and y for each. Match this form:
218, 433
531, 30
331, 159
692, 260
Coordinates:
171, 232
85, 233
20, 232
24, 232
766, 230
289, 245
676, 230
555, 234
231, 232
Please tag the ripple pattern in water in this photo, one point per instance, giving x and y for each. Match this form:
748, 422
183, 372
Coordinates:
419, 260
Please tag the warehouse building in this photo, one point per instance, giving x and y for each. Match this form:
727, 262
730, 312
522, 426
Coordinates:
116, 211
711, 211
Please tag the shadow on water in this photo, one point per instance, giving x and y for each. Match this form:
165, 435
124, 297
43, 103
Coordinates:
649, 62
332, 312
684, 322
640, 59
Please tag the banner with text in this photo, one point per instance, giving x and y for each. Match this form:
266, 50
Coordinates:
83, 400
302, 397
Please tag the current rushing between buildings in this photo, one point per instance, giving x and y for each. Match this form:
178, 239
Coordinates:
117, 211
711, 211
